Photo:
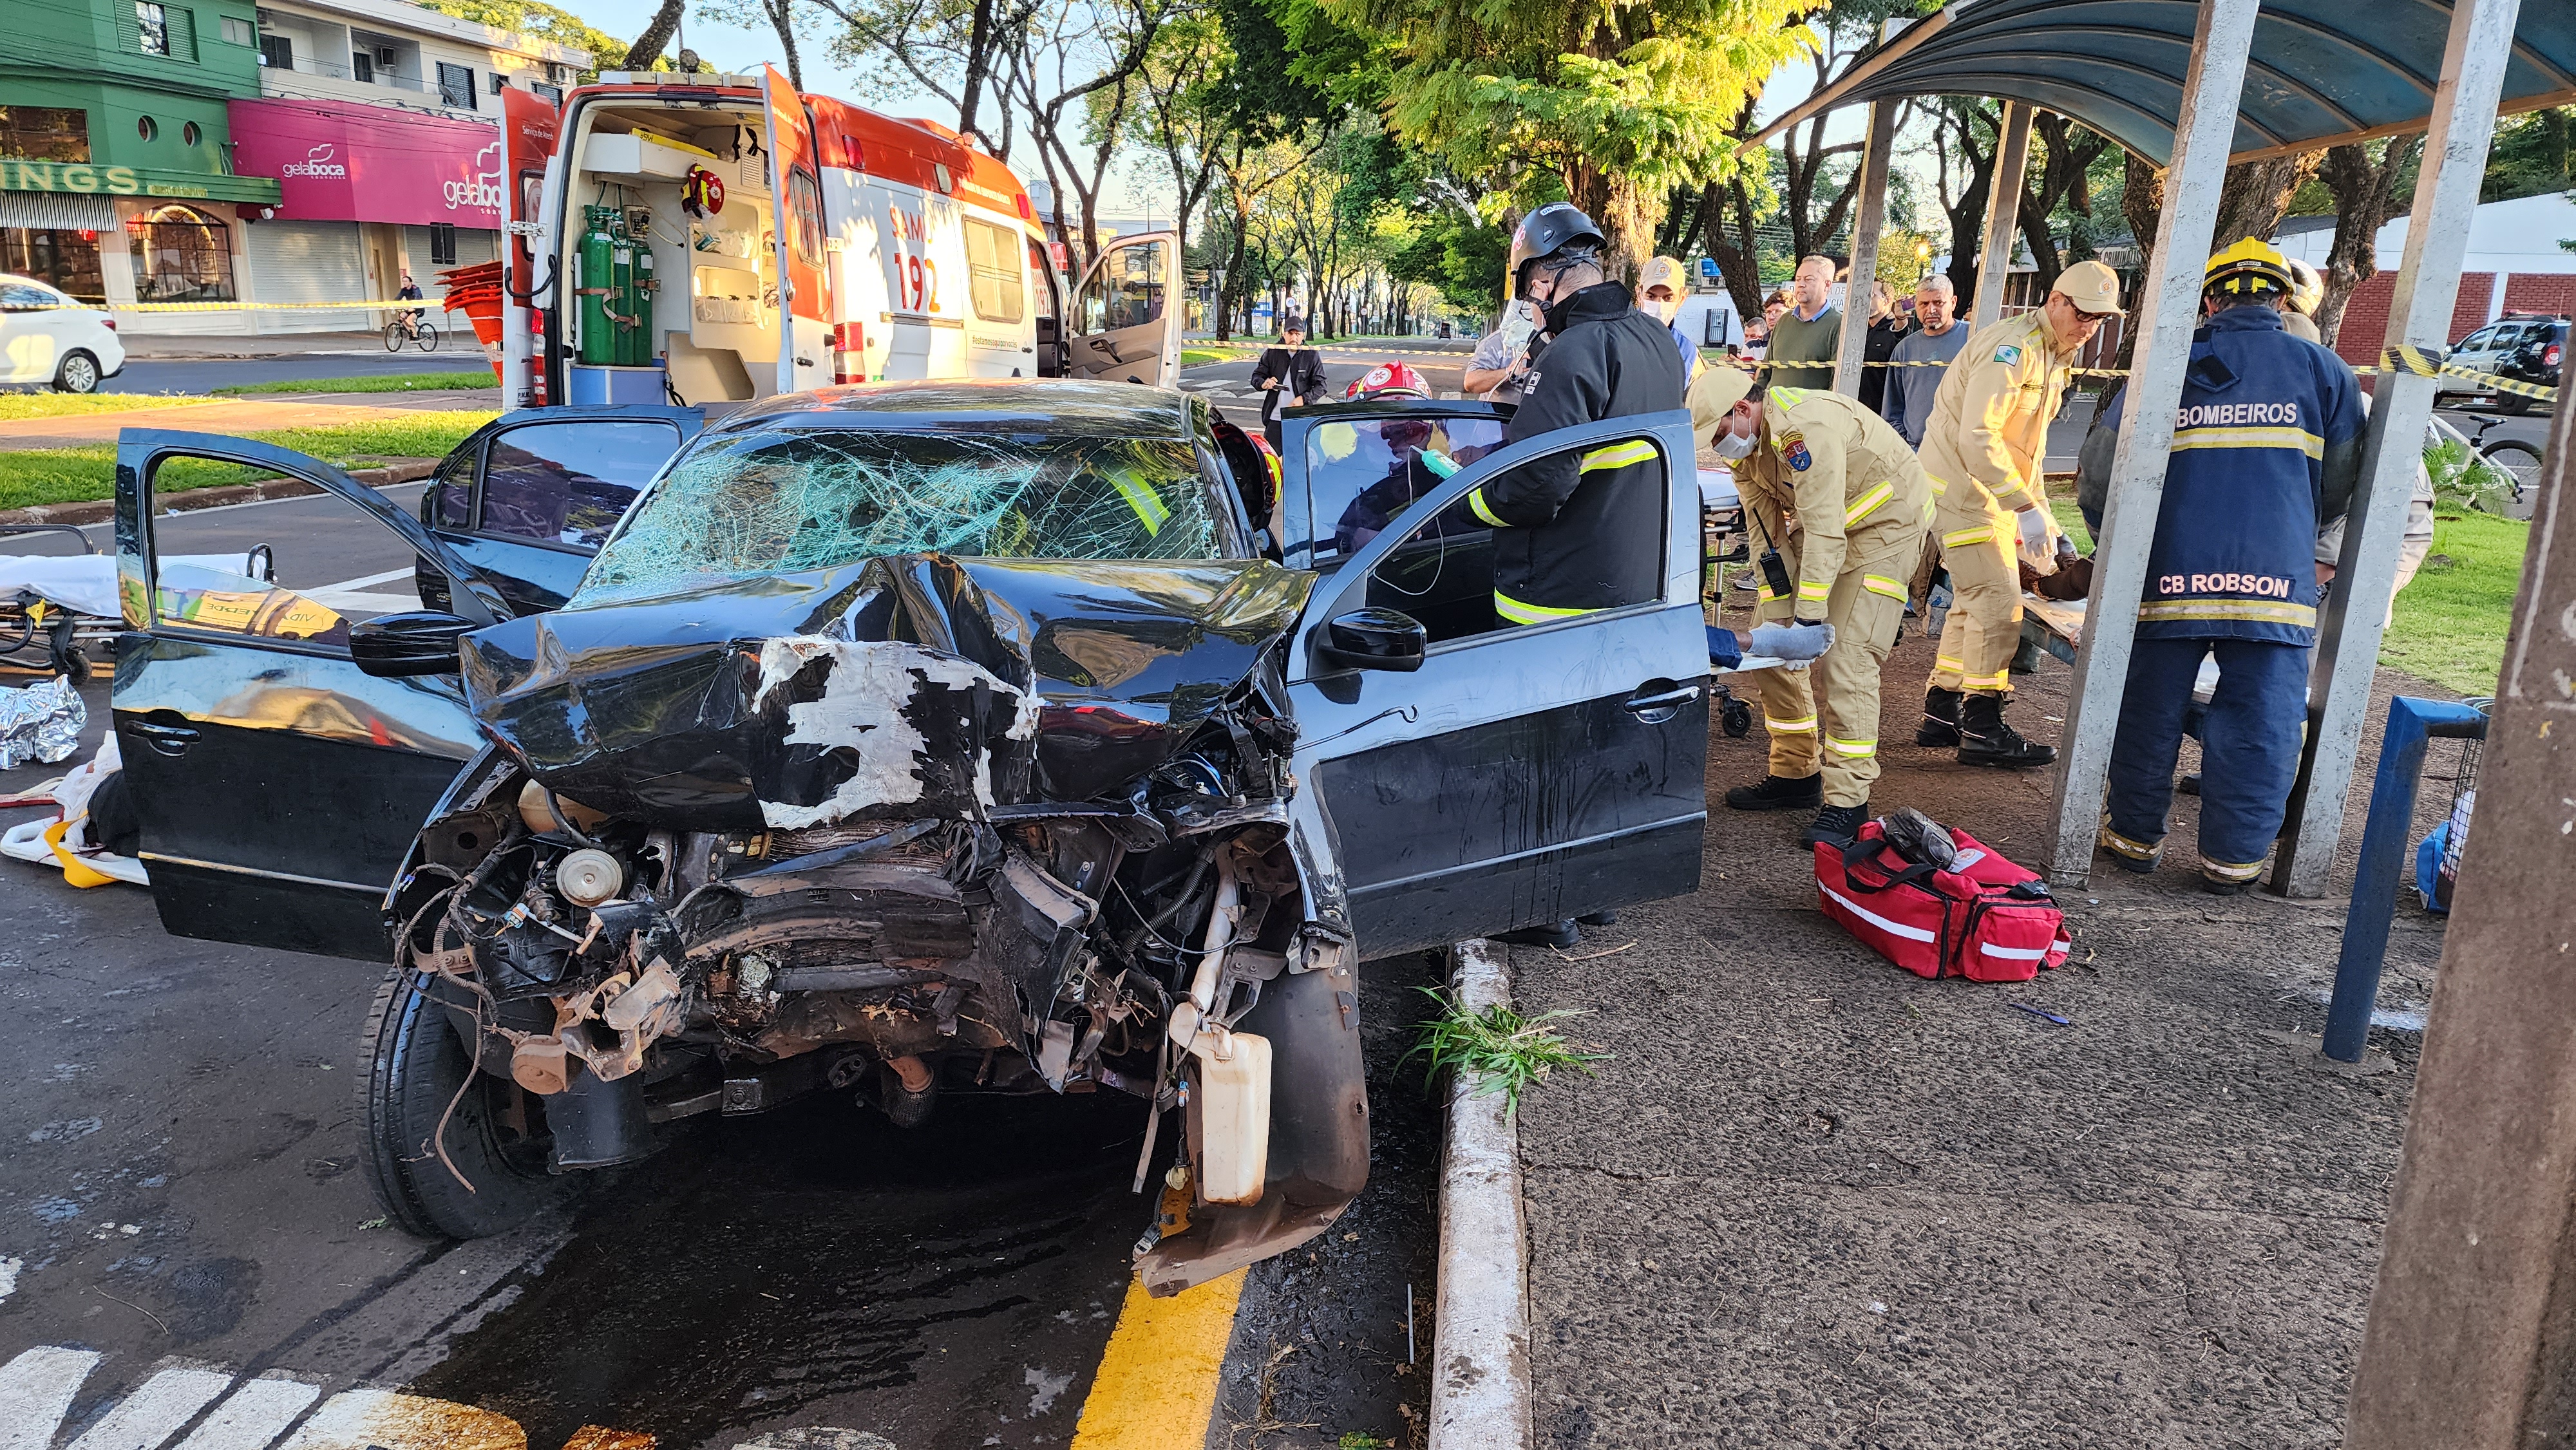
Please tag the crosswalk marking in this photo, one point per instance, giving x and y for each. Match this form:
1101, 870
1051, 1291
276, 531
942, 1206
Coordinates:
257, 1413
154, 1412
36, 1391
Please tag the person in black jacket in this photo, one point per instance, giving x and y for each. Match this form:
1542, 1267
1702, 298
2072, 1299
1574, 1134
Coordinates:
1287, 374
1887, 328
1580, 531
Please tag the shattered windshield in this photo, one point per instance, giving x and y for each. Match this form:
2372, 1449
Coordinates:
780, 502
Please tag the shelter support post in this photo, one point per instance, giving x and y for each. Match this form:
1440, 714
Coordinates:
2419, 316
2169, 310
1866, 226
2382, 874
2468, 1345
2003, 215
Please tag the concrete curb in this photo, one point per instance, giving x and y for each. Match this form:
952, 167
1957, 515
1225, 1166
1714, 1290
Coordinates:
101, 510
1481, 1397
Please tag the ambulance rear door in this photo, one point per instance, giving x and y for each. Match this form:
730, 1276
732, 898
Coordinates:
530, 125
796, 195
1127, 313
919, 303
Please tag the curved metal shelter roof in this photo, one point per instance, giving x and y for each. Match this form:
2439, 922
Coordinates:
2323, 72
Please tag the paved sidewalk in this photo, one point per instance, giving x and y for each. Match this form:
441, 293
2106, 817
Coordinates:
1813, 1200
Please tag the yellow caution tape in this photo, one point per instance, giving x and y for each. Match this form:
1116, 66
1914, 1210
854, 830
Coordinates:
2421, 362
1755, 364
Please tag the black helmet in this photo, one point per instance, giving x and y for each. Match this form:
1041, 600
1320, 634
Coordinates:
1551, 229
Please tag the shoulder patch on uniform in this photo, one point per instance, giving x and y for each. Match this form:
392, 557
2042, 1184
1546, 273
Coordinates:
1793, 447
2008, 354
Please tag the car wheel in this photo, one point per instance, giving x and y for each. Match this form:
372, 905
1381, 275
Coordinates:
2512, 405
78, 374
416, 1071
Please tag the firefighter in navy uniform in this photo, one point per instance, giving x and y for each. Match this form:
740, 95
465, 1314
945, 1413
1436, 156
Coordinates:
1579, 532
2267, 443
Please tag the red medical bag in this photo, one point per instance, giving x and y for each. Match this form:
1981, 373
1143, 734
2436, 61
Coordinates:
1986, 919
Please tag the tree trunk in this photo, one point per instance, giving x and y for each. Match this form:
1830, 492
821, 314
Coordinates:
782, 18
648, 46
1624, 215
2366, 199
1967, 210
1738, 265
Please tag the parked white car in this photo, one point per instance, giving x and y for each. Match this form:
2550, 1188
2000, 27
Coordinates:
46, 337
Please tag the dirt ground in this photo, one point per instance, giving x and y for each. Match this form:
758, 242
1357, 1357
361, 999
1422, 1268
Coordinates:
1814, 1200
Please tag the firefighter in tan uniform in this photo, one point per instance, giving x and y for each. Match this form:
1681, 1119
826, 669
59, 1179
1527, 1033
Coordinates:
1841, 498
1983, 449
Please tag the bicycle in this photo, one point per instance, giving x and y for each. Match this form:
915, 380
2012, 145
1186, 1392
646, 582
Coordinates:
2519, 460
407, 327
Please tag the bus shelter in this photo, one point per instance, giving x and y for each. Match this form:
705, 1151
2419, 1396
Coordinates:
2192, 86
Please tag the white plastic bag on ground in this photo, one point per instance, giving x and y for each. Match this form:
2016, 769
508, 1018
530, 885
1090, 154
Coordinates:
60, 841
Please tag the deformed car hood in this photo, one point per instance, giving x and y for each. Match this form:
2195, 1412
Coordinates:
907, 685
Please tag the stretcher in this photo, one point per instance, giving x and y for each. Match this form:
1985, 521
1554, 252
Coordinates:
57, 610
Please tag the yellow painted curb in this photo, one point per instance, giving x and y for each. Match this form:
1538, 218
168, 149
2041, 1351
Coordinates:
1157, 1384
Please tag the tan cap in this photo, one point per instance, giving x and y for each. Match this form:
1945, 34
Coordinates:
1663, 272
1715, 395
2091, 286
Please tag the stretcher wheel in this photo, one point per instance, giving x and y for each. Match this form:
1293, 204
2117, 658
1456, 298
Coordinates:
74, 665
1736, 718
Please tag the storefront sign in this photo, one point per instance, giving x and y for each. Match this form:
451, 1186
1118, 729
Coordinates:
345, 162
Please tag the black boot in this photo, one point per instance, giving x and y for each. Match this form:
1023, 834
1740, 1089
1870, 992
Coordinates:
1598, 918
1836, 826
1940, 718
1779, 793
1558, 934
1984, 738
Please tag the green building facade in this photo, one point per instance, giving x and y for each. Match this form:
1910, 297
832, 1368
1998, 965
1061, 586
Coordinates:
116, 168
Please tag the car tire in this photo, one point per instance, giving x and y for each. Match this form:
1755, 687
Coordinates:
2512, 405
415, 1068
78, 373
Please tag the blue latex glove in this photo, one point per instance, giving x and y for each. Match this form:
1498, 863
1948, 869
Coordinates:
1792, 642
1724, 653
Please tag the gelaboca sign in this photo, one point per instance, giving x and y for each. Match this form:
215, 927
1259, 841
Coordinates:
337, 161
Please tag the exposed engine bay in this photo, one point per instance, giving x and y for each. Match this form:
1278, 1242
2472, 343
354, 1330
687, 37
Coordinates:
916, 827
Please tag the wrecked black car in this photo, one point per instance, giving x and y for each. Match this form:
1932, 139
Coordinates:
906, 741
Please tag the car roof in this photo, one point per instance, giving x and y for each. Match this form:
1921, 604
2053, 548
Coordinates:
1052, 407
30, 281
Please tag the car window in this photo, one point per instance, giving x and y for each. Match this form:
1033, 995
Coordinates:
452, 489
296, 572
1127, 291
19, 294
2482, 338
997, 283
779, 502
1443, 572
1362, 472
569, 483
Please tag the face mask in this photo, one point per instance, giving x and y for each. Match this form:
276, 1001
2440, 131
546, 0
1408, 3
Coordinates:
1734, 446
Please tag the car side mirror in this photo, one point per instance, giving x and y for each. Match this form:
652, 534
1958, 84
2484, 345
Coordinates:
1376, 639
420, 642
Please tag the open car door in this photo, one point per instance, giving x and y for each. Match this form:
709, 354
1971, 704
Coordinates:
796, 197
1517, 773
1126, 324
278, 786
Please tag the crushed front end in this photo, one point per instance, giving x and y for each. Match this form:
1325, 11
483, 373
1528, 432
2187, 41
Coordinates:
914, 827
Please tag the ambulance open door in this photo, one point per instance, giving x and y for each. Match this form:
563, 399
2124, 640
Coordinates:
796, 194
1126, 322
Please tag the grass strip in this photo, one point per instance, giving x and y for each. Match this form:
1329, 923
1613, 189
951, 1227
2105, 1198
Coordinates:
1193, 356
458, 378
73, 475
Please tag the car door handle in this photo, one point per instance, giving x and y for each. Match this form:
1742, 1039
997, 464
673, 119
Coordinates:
1658, 707
164, 739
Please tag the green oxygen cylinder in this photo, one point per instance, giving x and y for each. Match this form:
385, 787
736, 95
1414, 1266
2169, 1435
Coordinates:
621, 297
596, 286
642, 310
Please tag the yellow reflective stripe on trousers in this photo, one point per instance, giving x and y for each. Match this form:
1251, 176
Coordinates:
1619, 455
2255, 610
2301, 439
1150, 509
1806, 725
2123, 845
1852, 749
1810, 589
1476, 506
1939, 663
1961, 538
1999, 680
1882, 585
1519, 613
1862, 506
